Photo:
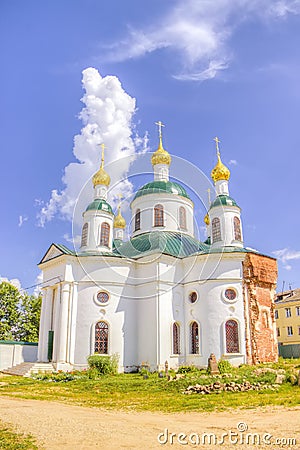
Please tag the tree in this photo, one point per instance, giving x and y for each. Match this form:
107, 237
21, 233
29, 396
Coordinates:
10, 299
19, 314
30, 311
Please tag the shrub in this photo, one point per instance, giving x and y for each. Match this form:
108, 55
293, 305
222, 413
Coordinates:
104, 364
224, 366
187, 369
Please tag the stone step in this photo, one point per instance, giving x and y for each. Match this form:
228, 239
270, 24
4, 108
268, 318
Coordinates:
26, 369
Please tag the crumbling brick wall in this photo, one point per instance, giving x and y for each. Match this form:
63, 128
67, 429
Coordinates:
259, 284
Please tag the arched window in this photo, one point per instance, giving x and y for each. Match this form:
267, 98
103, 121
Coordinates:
194, 338
216, 229
158, 216
137, 221
237, 229
182, 218
232, 336
176, 339
84, 235
101, 337
104, 235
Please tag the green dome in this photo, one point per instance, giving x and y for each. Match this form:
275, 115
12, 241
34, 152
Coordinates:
160, 187
223, 200
100, 205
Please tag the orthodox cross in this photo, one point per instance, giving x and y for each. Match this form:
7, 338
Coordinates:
217, 140
159, 124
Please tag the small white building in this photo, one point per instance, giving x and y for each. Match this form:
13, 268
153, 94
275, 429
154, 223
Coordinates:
162, 295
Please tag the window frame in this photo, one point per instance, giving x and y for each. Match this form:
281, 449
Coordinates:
289, 330
216, 230
288, 312
176, 338
194, 338
236, 345
137, 220
182, 218
104, 234
159, 218
84, 234
102, 342
237, 229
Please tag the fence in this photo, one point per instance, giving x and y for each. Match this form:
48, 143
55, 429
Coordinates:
289, 350
13, 353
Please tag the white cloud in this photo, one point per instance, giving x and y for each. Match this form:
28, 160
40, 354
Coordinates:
38, 282
107, 117
233, 162
22, 219
14, 281
284, 255
199, 32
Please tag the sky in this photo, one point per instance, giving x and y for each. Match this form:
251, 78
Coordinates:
75, 73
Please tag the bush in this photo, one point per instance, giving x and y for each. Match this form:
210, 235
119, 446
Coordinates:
187, 369
104, 364
224, 366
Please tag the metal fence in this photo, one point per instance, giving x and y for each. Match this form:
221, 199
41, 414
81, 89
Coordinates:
289, 351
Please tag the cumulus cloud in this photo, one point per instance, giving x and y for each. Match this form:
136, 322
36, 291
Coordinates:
233, 162
14, 281
199, 33
107, 117
285, 255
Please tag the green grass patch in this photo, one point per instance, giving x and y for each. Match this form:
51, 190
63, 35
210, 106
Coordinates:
10, 440
134, 392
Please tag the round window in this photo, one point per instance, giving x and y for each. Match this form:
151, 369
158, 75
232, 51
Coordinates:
102, 297
230, 294
193, 297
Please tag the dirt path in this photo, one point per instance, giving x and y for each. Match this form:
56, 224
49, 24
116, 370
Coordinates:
61, 426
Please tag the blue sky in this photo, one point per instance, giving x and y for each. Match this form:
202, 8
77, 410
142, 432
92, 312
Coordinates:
228, 68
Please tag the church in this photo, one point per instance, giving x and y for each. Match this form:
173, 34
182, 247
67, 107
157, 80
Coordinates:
161, 295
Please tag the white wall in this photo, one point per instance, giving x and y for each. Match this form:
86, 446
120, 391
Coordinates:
12, 354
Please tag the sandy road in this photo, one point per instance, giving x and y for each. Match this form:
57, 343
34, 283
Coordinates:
62, 426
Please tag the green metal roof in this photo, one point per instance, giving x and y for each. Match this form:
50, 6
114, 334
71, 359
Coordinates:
100, 205
161, 187
167, 242
223, 200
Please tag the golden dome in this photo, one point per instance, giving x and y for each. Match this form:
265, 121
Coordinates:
206, 219
219, 172
119, 221
161, 156
101, 177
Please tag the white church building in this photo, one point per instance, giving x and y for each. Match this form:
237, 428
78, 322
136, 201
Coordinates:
162, 295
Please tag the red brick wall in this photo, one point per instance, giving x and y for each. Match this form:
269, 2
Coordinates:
259, 284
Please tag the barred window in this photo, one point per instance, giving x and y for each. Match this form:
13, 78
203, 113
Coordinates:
101, 337
182, 218
137, 222
158, 216
237, 229
176, 339
216, 229
194, 338
232, 336
102, 297
84, 235
104, 235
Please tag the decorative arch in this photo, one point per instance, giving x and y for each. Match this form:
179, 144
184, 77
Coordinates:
232, 336
216, 229
176, 338
137, 220
158, 216
104, 234
194, 338
84, 234
182, 218
101, 337
237, 229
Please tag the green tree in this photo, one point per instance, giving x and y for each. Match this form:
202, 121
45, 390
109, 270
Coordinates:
10, 298
29, 320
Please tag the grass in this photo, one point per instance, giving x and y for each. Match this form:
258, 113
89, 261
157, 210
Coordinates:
10, 440
133, 392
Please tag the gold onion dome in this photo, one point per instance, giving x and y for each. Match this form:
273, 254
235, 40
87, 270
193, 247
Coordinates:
119, 221
206, 219
101, 177
220, 171
161, 156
